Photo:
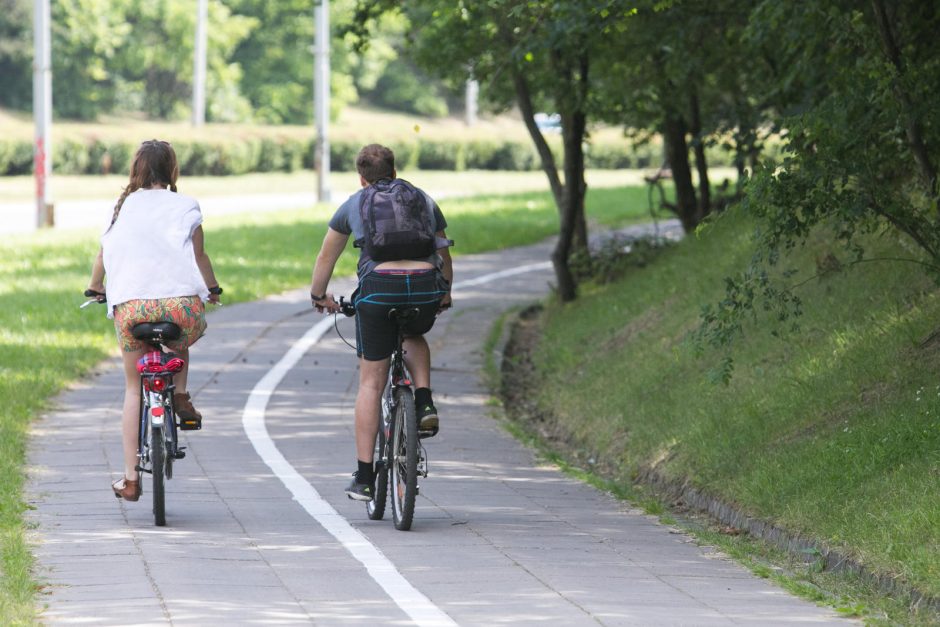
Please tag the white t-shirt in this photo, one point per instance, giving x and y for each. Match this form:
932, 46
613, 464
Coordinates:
148, 251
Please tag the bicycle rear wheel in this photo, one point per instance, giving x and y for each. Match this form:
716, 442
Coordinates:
158, 459
404, 459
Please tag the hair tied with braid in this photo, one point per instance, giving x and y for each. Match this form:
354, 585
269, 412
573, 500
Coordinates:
154, 163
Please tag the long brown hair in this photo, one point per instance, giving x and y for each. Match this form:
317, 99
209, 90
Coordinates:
154, 164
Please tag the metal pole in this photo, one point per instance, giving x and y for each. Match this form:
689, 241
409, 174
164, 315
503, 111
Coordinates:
42, 113
199, 65
472, 96
321, 98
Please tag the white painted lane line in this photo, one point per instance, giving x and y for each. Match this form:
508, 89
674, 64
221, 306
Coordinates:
408, 598
487, 278
417, 606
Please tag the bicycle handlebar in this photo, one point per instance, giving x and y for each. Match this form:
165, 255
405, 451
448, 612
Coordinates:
346, 307
97, 297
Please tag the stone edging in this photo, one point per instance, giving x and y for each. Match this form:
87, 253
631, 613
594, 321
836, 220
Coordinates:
728, 515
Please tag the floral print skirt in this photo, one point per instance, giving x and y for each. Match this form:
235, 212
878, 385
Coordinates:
187, 312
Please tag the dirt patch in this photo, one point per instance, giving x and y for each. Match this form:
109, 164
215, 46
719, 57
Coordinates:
520, 382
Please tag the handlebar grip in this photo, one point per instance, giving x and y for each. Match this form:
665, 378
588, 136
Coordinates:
93, 293
348, 309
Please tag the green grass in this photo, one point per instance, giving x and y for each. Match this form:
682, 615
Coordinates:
467, 183
47, 341
832, 431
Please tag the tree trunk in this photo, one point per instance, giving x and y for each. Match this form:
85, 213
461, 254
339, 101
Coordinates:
701, 164
914, 127
524, 98
677, 153
567, 213
573, 232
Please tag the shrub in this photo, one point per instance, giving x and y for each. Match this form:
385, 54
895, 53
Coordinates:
514, 156
70, 157
283, 153
342, 155
271, 156
440, 155
479, 154
16, 157
110, 157
609, 156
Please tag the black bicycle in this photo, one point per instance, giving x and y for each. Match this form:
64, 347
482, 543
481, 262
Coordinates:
400, 458
157, 446
157, 443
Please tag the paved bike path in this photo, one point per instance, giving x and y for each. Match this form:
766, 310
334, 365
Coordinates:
498, 536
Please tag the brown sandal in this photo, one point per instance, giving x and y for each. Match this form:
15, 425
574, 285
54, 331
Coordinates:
189, 418
130, 491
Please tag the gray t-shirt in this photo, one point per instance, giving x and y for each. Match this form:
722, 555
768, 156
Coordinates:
347, 221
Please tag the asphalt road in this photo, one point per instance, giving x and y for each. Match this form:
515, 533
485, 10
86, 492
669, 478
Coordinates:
259, 530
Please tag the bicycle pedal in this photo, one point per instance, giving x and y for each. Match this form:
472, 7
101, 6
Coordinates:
179, 455
190, 424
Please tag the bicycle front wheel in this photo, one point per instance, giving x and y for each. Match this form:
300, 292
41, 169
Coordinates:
403, 479
158, 458
376, 507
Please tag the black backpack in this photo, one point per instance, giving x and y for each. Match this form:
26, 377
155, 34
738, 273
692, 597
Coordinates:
397, 222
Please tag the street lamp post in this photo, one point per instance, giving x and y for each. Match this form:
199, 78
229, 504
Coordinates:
199, 65
42, 113
321, 98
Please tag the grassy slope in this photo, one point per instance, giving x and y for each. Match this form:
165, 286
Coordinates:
46, 341
832, 431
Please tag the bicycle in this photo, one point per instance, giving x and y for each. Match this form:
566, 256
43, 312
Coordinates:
400, 458
157, 443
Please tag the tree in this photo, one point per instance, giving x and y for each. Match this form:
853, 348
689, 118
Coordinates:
278, 63
16, 54
156, 69
536, 55
681, 69
87, 36
862, 146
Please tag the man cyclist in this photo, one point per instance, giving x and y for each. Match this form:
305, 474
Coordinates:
421, 281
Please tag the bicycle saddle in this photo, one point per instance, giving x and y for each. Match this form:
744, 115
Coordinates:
159, 331
403, 315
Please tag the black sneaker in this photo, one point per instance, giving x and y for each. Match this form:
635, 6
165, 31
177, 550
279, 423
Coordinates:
427, 420
359, 491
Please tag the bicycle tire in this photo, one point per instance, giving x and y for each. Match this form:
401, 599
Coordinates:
376, 507
170, 436
403, 480
158, 458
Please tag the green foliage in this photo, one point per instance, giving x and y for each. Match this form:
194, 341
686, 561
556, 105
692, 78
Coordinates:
16, 157
272, 151
402, 87
860, 156
16, 53
832, 434
87, 38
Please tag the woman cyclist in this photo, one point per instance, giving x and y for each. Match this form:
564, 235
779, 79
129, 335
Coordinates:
157, 270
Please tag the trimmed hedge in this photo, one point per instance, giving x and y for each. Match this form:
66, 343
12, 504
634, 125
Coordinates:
241, 155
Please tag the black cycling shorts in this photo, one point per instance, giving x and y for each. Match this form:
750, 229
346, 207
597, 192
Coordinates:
379, 292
